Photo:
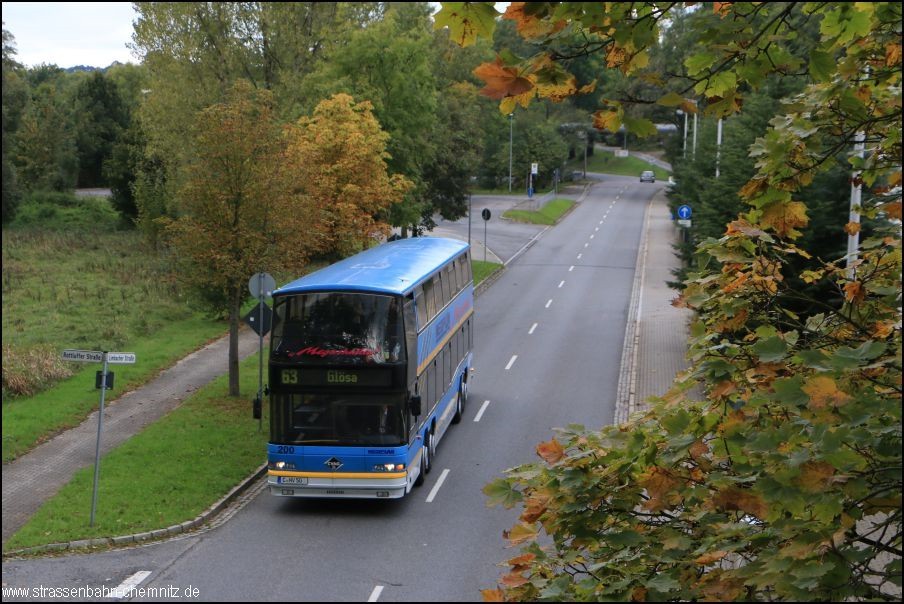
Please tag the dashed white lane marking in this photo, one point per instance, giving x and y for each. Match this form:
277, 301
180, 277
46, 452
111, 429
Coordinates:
439, 483
124, 589
375, 594
561, 284
532, 328
511, 362
570, 268
548, 304
483, 408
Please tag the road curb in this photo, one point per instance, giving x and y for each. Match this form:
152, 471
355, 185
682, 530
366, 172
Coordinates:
147, 536
627, 375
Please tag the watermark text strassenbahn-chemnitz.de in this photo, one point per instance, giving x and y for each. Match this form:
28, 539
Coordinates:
87, 592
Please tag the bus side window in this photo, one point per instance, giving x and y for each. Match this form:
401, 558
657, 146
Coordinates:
468, 274
419, 304
433, 380
460, 272
431, 303
452, 277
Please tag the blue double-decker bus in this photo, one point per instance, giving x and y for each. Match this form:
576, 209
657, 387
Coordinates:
369, 365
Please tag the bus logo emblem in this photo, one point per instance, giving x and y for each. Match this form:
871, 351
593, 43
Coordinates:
333, 463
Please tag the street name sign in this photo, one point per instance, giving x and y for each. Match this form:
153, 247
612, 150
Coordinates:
83, 356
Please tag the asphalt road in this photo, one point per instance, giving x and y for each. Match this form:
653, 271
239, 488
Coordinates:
547, 354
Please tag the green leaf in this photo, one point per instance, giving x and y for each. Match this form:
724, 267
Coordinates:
501, 492
771, 349
466, 20
700, 62
641, 127
672, 99
822, 65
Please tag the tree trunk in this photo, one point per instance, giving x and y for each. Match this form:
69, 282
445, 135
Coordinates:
234, 309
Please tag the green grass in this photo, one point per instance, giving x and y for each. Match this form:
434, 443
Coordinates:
482, 270
28, 421
548, 214
167, 474
606, 162
72, 279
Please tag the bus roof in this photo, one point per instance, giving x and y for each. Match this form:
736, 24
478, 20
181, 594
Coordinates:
391, 268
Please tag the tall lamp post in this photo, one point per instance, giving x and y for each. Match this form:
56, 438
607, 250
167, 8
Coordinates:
684, 146
511, 122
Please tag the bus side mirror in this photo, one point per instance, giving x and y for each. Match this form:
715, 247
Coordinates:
256, 408
414, 405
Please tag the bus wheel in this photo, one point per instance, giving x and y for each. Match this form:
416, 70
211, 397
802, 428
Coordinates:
460, 403
420, 477
429, 452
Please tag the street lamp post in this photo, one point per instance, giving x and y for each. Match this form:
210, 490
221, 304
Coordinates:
511, 122
718, 145
684, 145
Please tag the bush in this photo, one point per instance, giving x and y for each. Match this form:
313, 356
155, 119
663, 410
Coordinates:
27, 371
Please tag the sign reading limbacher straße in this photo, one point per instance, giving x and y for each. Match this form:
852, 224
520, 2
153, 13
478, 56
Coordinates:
96, 356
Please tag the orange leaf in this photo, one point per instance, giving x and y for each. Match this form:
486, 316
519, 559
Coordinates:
823, 392
522, 560
710, 557
514, 579
551, 451
534, 507
743, 500
520, 533
698, 449
722, 8
892, 209
892, 54
852, 228
785, 217
723, 389
639, 594
607, 120
501, 81
492, 595
854, 292
528, 25
815, 476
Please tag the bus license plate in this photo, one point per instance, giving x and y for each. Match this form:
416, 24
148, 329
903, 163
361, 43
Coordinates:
292, 480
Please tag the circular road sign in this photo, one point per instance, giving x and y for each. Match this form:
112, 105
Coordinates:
486, 214
261, 282
684, 212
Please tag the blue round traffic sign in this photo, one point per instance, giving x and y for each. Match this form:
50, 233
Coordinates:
684, 212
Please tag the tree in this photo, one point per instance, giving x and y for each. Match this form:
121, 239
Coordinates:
337, 160
44, 151
15, 94
784, 483
100, 119
236, 216
195, 51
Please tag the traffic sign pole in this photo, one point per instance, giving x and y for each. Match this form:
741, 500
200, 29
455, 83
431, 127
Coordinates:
260, 365
100, 427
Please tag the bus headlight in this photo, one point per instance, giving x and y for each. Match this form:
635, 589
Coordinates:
282, 465
389, 467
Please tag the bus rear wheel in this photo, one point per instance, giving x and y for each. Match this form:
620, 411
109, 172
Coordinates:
460, 403
429, 451
423, 471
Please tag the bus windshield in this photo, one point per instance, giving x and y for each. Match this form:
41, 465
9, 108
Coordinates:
327, 419
338, 328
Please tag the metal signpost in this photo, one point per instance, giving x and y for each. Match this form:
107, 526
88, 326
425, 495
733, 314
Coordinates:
486, 218
104, 382
261, 285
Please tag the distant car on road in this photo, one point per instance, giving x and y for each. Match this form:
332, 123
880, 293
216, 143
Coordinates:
647, 176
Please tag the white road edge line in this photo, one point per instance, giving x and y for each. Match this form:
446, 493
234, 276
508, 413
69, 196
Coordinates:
511, 362
124, 589
439, 483
483, 408
375, 594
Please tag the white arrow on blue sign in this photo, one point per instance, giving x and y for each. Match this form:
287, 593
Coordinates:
684, 212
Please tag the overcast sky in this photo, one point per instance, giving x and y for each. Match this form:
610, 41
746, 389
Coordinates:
70, 33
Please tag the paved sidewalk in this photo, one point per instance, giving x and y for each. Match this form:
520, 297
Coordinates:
35, 477
656, 335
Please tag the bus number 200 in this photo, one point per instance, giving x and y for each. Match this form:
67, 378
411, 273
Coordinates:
285, 450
